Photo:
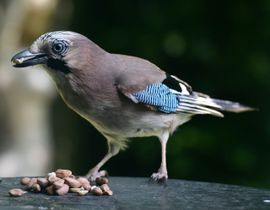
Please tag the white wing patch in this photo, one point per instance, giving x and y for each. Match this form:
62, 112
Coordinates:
185, 88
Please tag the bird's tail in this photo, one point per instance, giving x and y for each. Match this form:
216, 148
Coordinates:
198, 103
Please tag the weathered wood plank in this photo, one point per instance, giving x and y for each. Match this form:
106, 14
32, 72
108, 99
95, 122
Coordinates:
137, 193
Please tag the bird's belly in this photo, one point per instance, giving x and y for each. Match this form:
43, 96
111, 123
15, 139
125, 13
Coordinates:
136, 124
123, 119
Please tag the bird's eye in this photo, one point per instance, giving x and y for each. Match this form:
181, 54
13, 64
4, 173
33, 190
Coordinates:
59, 47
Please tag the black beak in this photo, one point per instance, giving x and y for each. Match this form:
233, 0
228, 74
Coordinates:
27, 58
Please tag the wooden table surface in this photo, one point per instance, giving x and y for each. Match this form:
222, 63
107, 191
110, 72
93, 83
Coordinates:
137, 193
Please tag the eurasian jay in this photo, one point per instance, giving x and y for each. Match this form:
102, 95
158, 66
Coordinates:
121, 96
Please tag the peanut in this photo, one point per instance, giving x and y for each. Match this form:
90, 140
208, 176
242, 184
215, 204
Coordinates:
36, 187
63, 173
104, 188
101, 180
86, 186
97, 191
83, 180
50, 190
25, 180
72, 182
52, 178
31, 183
43, 182
58, 184
63, 190
109, 192
51, 174
16, 192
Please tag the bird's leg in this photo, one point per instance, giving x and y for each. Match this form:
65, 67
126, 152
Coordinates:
162, 175
93, 173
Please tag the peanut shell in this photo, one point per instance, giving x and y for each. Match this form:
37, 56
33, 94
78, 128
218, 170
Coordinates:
82, 192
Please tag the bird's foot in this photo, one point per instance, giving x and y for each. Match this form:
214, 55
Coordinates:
159, 177
92, 175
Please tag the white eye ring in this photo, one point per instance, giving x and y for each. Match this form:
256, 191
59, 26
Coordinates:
59, 47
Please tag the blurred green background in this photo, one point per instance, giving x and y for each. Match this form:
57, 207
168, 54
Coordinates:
219, 48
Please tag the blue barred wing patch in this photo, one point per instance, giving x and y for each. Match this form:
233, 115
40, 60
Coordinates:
160, 96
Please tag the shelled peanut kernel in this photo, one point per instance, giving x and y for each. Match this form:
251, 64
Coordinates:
61, 182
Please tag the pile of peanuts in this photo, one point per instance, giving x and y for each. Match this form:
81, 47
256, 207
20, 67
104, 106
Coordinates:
61, 182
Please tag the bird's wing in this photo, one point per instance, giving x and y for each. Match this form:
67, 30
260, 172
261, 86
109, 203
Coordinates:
171, 95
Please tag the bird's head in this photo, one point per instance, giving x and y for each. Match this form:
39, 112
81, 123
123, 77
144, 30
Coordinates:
60, 51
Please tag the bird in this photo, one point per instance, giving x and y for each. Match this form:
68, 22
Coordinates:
122, 96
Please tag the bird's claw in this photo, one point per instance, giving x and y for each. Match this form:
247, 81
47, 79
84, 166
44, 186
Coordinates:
93, 175
160, 178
